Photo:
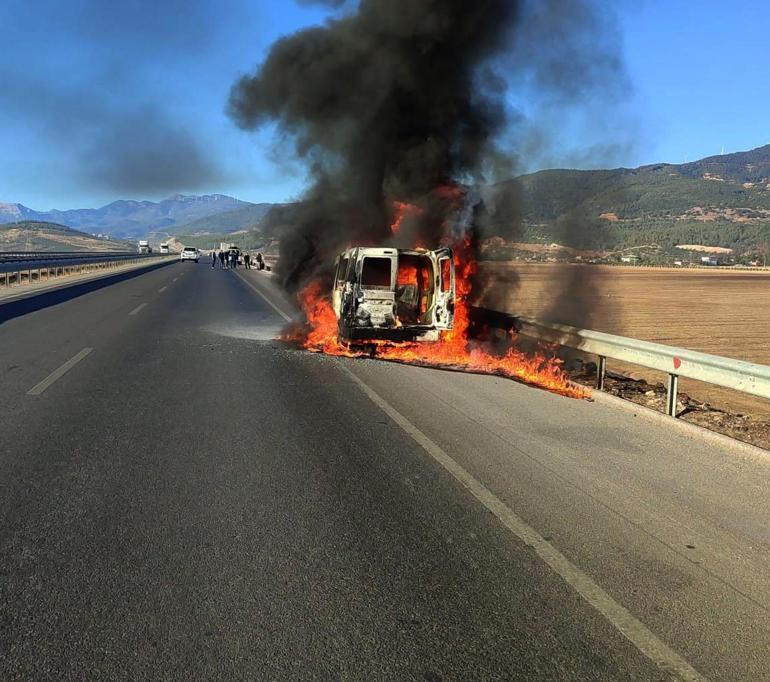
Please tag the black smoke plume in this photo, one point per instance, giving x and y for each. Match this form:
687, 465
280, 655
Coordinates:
396, 102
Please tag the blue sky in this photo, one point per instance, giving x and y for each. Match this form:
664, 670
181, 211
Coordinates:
100, 101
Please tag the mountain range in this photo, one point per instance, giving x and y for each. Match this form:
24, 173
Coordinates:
717, 201
131, 219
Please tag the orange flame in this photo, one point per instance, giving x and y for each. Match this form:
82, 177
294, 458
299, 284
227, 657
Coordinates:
454, 350
402, 210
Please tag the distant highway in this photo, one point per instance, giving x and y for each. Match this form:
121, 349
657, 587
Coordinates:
185, 497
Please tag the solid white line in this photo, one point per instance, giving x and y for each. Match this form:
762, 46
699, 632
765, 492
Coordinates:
137, 309
175, 279
162, 289
265, 298
618, 616
58, 373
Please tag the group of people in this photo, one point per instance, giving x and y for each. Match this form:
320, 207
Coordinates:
231, 259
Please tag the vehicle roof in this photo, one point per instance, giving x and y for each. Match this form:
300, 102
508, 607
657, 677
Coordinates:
381, 251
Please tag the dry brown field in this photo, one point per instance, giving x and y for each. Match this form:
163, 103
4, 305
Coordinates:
719, 311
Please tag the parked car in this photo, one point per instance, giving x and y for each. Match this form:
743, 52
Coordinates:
189, 253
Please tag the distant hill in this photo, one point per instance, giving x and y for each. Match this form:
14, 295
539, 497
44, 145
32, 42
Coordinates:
245, 239
244, 218
720, 201
31, 235
127, 218
717, 201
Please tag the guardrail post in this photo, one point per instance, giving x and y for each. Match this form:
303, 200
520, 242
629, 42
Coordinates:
673, 383
601, 370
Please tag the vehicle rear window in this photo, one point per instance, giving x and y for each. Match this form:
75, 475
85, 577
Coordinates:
376, 272
189, 248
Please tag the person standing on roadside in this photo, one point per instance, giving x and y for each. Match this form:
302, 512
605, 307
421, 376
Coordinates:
222, 259
213, 259
247, 261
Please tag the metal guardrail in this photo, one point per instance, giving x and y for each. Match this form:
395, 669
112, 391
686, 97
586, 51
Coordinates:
747, 377
15, 261
38, 255
19, 267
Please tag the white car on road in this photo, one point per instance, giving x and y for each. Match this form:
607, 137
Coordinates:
189, 253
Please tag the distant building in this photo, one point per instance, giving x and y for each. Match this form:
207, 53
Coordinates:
631, 258
709, 260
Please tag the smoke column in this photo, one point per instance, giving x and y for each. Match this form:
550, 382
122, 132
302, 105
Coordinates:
403, 99
391, 103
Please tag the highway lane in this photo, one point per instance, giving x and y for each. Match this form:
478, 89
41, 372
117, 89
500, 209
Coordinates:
194, 499
41, 340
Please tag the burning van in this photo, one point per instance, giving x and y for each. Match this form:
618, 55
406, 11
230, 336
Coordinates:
393, 294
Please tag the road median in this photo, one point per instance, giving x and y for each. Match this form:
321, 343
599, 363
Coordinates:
38, 284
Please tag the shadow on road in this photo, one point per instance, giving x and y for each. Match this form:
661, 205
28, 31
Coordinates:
34, 302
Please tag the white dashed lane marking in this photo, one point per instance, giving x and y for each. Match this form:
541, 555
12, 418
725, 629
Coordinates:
58, 373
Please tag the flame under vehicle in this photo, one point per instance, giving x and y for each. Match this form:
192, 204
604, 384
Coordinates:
393, 294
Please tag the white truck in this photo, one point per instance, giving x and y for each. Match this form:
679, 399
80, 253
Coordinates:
144, 246
164, 247
393, 294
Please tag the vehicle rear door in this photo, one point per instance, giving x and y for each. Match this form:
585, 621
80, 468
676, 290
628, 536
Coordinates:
377, 278
340, 275
443, 312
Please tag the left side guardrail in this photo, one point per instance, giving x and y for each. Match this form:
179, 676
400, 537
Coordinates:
746, 377
23, 267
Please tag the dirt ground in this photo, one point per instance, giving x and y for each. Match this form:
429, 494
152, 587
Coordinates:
713, 311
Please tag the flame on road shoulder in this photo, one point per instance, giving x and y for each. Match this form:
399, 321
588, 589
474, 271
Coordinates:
455, 350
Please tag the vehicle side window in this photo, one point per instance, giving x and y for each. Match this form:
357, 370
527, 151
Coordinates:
376, 272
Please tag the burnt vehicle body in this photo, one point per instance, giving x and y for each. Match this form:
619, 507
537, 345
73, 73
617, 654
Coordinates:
393, 294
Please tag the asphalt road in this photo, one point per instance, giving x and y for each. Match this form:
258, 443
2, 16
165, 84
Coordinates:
185, 497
